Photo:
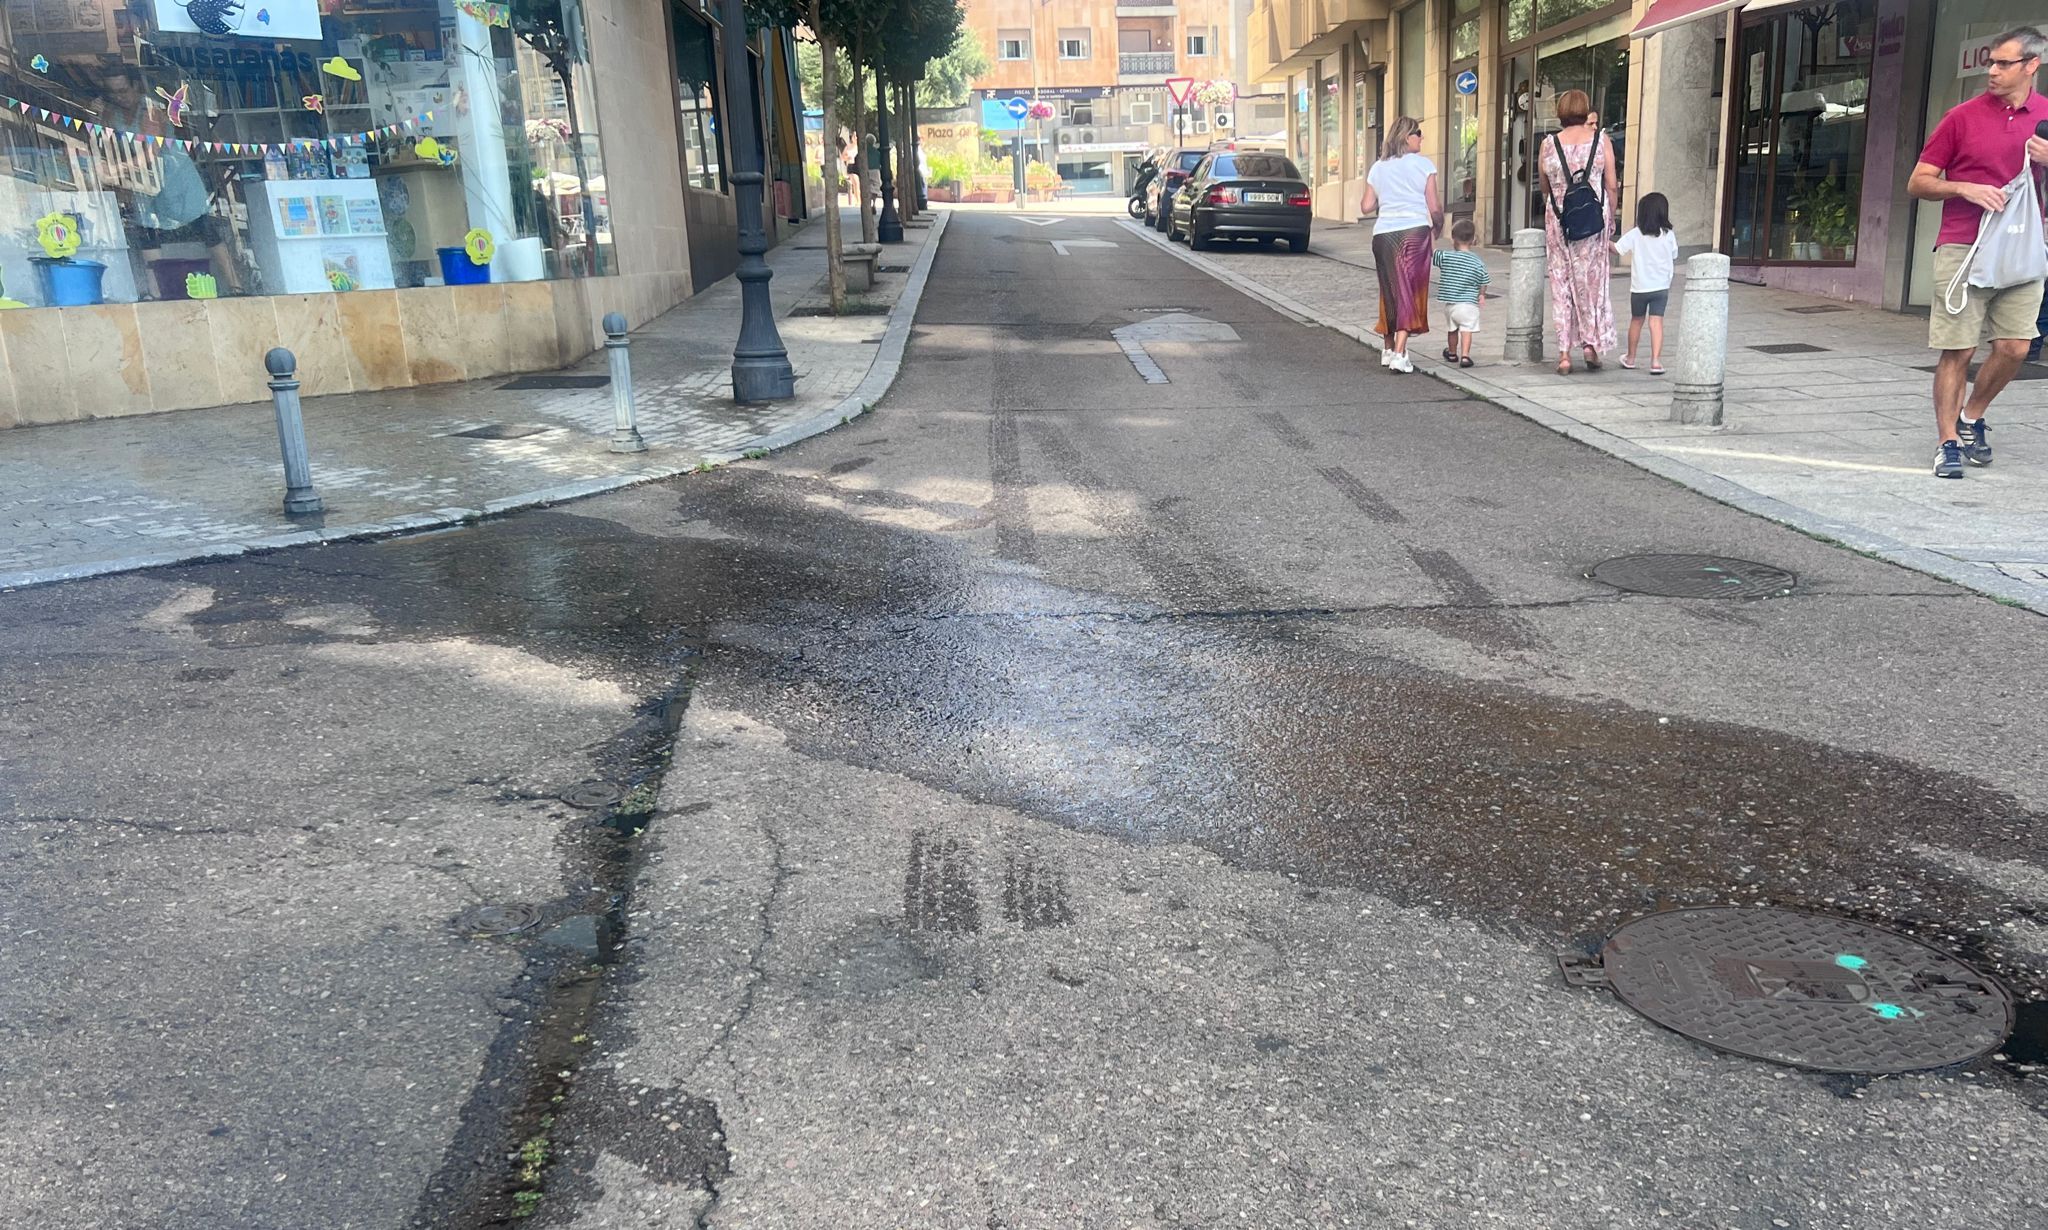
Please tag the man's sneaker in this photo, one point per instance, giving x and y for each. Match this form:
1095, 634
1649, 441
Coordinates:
1976, 441
1948, 460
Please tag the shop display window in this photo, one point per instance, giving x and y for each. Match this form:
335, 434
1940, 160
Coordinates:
203, 148
1327, 123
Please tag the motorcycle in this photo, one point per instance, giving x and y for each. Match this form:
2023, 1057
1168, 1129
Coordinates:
1139, 184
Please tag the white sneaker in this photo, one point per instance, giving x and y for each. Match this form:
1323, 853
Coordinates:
1386, 357
1400, 363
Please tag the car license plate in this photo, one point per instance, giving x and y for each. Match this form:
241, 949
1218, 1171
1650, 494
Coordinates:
1264, 198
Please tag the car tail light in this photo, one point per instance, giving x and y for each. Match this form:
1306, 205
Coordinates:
1298, 198
1223, 196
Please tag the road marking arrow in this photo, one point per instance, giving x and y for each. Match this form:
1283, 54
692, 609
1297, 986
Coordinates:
1041, 221
1064, 246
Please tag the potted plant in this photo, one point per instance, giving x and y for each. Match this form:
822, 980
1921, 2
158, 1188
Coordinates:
67, 281
1830, 218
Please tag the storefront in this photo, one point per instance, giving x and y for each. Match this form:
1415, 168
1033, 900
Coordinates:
1547, 48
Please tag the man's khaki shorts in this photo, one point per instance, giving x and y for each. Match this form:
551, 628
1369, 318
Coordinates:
2008, 313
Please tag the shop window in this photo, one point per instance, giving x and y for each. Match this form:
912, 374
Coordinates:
1327, 103
1301, 117
1796, 158
697, 98
295, 147
1464, 29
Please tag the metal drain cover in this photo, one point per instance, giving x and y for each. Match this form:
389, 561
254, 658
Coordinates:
591, 795
1807, 990
500, 431
556, 381
1694, 576
497, 919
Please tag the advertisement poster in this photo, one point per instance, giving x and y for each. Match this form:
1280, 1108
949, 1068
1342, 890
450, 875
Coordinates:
295, 217
365, 218
264, 19
333, 216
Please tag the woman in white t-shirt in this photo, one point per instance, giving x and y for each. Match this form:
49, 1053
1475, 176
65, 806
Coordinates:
1652, 250
1401, 188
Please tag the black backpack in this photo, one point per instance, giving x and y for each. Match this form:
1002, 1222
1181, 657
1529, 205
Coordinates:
1580, 215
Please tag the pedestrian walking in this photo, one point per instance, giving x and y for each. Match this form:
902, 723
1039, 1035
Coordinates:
1975, 164
1401, 189
1460, 274
1579, 187
1652, 250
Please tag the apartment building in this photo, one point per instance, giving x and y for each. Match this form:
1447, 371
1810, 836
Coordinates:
1103, 65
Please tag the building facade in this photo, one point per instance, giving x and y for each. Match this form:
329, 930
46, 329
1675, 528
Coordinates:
1757, 118
1104, 65
400, 191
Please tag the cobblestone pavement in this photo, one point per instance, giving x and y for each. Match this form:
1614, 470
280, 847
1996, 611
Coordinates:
106, 495
1841, 428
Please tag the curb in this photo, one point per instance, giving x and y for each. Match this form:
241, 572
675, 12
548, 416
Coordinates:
882, 373
1985, 581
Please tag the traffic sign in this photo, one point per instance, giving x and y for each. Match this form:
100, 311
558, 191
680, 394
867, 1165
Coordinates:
1468, 82
1180, 88
1018, 107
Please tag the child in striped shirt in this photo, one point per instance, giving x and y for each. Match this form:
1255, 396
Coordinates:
1460, 274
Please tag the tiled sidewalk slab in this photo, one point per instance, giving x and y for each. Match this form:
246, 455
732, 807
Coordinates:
83, 499
1838, 443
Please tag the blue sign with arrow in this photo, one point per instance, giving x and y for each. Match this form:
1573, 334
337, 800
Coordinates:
1018, 108
1467, 82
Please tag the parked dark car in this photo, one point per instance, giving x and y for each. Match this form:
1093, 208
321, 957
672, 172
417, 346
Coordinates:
1242, 195
1160, 196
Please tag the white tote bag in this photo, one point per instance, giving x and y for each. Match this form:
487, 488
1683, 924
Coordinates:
2009, 249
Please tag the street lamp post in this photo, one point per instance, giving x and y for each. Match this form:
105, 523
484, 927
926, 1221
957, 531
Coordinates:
889, 227
760, 364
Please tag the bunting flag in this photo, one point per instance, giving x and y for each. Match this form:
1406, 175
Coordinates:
238, 148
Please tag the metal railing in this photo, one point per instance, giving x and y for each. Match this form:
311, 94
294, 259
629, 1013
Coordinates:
1145, 62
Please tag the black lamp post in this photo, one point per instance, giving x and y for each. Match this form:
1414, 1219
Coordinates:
889, 227
760, 364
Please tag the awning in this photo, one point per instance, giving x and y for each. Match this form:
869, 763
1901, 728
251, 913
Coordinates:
1663, 14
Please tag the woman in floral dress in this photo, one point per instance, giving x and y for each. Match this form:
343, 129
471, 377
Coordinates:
1581, 299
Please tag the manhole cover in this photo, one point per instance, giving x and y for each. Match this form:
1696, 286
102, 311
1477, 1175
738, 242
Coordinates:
1693, 576
1803, 989
591, 795
500, 431
1790, 348
557, 382
497, 919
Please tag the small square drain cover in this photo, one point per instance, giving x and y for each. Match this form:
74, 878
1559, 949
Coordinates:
526, 383
1693, 576
500, 431
1790, 348
1817, 309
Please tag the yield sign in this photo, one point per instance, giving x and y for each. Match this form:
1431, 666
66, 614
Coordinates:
1180, 88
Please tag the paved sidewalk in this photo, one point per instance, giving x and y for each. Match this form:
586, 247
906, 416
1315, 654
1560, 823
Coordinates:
110, 495
1836, 438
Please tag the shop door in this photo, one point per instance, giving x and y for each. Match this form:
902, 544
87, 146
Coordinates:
1517, 103
1529, 112
710, 215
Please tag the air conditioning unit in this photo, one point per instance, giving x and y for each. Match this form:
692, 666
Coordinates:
1084, 136
1223, 119
1201, 126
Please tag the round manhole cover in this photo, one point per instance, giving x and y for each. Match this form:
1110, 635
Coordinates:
497, 919
590, 795
1806, 990
1694, 576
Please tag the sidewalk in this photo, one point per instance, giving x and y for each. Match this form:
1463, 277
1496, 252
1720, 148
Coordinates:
1829, 430
110, 495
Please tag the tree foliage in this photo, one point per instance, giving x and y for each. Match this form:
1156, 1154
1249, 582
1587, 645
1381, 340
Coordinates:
949, 79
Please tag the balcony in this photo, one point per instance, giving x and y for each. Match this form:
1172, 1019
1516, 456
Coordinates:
1144, 67
1145, 8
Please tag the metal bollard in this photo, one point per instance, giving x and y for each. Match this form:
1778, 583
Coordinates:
1699, 363
625, 436
299, 496
1528, 291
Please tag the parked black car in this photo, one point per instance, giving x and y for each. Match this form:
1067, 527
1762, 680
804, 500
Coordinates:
1241, 195
1178, 163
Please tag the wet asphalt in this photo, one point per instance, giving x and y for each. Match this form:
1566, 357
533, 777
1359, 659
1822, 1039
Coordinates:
1091, 802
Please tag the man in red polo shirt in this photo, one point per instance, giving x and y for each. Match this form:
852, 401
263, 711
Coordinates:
1975, 151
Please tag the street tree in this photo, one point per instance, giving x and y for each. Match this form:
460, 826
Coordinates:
949, 79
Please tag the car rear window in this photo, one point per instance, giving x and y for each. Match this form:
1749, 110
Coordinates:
1253, 166
1187, 159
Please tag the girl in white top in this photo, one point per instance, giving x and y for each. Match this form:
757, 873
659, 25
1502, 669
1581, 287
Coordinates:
1652, 250
1401, 186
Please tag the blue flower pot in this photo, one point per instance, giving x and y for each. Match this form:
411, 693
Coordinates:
458, 270
70, 283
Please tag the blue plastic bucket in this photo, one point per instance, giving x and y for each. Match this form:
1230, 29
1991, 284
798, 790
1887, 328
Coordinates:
458, 270
72, 283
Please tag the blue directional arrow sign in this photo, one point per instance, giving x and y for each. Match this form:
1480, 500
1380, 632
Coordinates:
1018, 108
1467, 82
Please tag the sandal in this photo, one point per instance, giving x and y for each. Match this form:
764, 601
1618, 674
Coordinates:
1564, 366
1466, 361
1628, 363
1592, 359
1656, 369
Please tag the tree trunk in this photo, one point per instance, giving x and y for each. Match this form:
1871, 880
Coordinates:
862, 159
906, 158
835, 273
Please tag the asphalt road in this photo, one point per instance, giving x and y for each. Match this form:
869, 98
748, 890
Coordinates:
1091, 803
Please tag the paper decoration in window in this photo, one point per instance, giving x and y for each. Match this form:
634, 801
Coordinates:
263, 15
480, 246
175, 104
211, 16
58, 233
315, 102
41, 63
489, 14
201, 286
433, 151
338, 67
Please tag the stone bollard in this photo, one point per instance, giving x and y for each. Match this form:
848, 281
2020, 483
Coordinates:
299, 496
625, 435
1528, 292
1699, 362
